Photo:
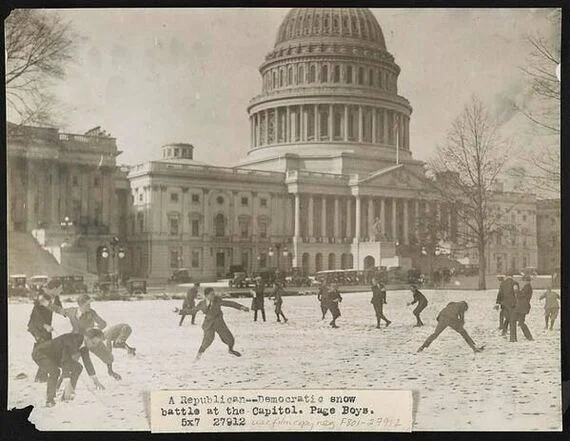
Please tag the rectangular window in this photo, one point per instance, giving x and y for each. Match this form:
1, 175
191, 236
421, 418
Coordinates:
195, 227
195, 198
173, 226
244, 228
173, 197
244, 201
349, 74
140, 197
336, 76
263, 202
263, 260
195, 259
174, 259
75, 181
337, 126
263, 230
95, 181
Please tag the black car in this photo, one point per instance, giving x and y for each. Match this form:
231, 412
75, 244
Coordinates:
181, 275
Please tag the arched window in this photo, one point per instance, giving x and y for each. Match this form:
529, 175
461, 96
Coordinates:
290, 75
300, 75
220, 225
360, 75
324, 73
349, 74
312, 73
318, 262
332, 261
336, 74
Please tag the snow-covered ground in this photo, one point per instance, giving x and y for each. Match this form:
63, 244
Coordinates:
510, 386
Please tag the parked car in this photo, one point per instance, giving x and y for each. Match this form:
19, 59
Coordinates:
180, 275
235, 269
36, 282
136, 286
17, 285
241, 280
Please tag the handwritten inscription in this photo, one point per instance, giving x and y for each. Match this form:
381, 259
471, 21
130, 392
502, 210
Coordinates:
318, 410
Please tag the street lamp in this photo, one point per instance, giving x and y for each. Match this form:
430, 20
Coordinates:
115, 252
65, 224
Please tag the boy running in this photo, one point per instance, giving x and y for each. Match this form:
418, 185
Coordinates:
278, 301
214, 322
422, 302
378, 301
551, 307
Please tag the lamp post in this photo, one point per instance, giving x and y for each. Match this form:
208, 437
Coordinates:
116, 253
65, 224
270, 253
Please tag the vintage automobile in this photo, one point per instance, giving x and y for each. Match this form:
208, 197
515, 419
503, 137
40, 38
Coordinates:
105, 282
297, 278
17, 285
136, 286
241, 280
180, 275
77, 284
36, 282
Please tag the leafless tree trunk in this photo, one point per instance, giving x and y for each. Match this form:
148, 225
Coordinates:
467, 169
39, 45
543, 110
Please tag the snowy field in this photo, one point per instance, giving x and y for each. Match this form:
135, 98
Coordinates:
510, 386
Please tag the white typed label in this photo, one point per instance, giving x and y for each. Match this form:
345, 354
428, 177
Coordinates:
281, 411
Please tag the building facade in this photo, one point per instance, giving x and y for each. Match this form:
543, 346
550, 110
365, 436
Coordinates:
328, 182
548, 233
66, 189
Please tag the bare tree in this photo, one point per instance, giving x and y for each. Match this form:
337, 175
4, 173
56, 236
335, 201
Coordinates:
467, 169
542, 110
39, 45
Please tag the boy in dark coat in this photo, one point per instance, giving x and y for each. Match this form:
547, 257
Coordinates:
278, 301
258, 302
522, 308
453, 315
507, 299
333, 301
322, 297
188, 304
551, 307
422, 302
62, 353
378, 301
500, 306
40, 327
214, 322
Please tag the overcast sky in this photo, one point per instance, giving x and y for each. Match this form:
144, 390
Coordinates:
151, 77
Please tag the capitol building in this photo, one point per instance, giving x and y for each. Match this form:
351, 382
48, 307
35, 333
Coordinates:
329, 180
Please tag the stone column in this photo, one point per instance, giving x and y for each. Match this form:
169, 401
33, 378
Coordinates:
207, 220
406, 235
331, 122
360, 123
324, 216
357, 220
305, 117
288, 125
336, 218
266, 135
317, 122
385, 124
276, 138
349, 217
383, 216
251, 140
416, 218
345, 134
310, 217
394, 219
374, 115
371, 218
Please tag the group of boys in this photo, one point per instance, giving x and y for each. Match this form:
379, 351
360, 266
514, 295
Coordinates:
57, 358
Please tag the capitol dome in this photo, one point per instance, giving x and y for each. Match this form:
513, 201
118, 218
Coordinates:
316, 23
329, 91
